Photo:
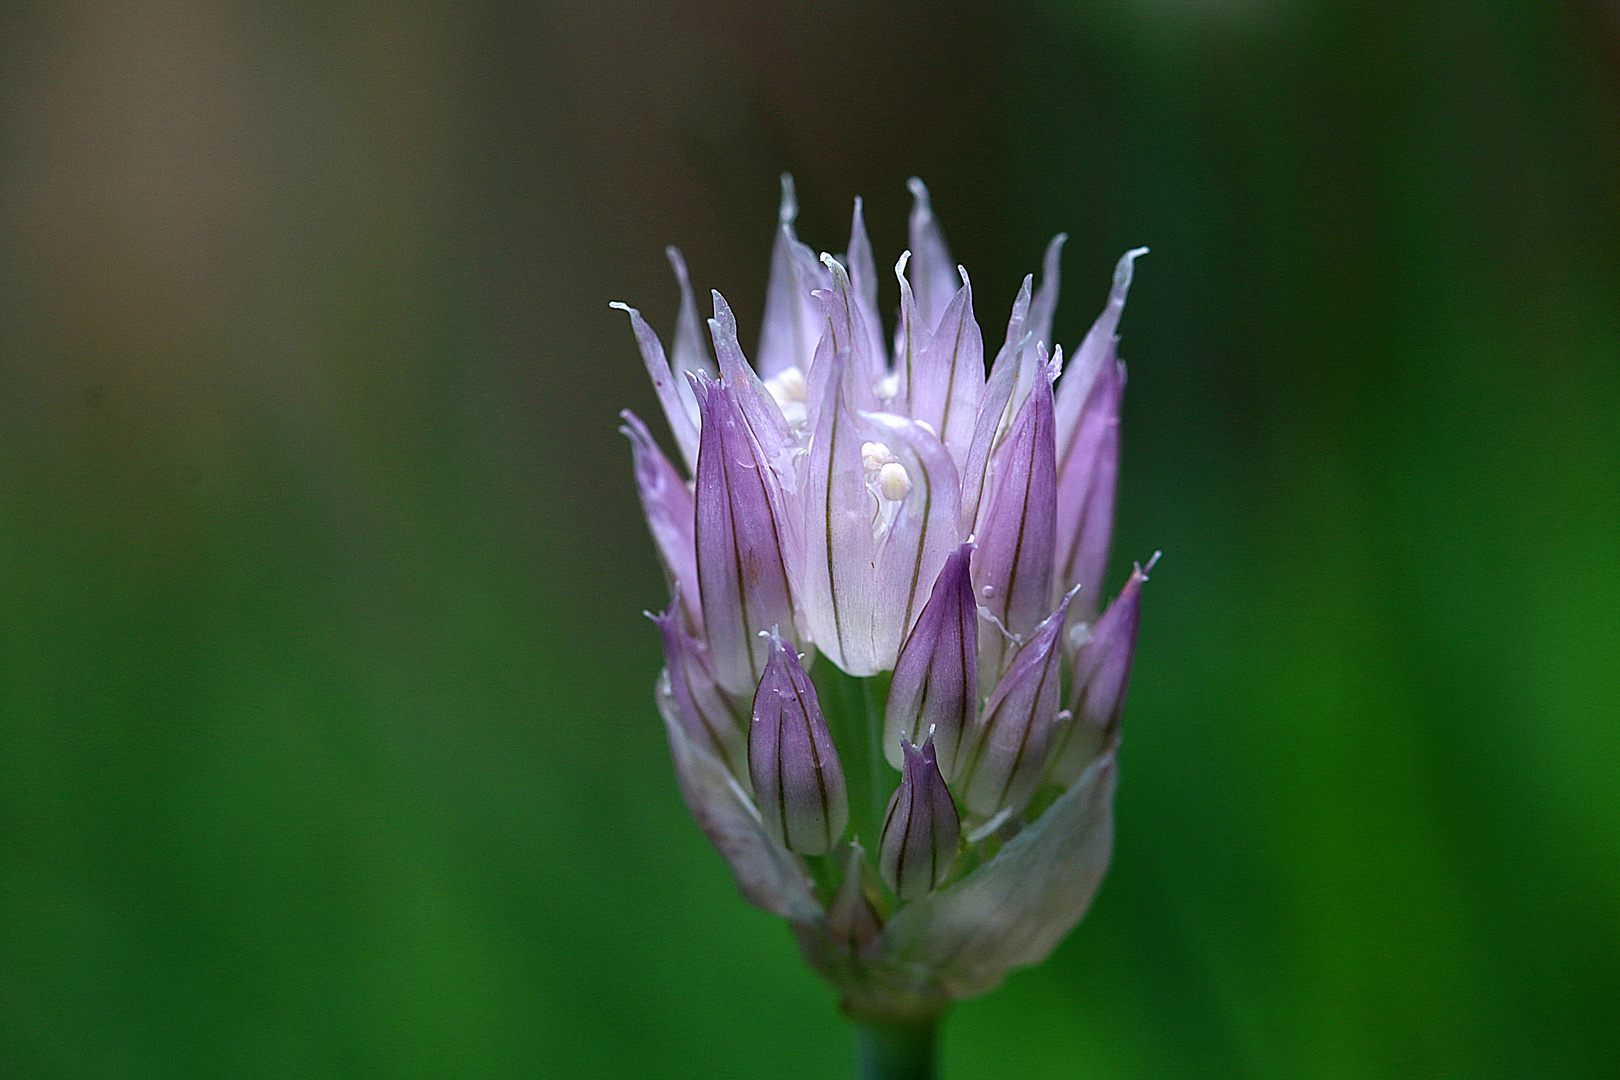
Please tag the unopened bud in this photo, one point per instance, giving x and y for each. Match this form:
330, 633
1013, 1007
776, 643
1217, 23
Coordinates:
921, 831
851, 918
798, 781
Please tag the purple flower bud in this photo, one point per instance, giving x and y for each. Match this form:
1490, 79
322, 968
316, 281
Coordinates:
852, 921
921, 830
668, 506
1008, 750
702, 708
798, 781
740, 541
936, 679
1012, 570
1102, 675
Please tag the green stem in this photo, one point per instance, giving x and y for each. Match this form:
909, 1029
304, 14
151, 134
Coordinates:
896, 1050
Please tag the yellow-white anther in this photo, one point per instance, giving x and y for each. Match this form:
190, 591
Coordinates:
875, 455
892, 481
888, 386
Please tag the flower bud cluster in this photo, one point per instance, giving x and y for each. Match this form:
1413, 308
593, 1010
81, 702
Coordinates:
887, 510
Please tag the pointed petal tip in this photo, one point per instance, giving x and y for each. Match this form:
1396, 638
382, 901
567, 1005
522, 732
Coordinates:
789, 209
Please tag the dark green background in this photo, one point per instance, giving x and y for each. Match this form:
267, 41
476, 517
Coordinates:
326, 744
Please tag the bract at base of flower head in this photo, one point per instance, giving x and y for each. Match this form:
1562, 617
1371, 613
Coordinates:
889, 699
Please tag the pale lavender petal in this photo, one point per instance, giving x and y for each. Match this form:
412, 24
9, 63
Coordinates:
759, 408
1008, 750
933, 276
947, 380
689, 352
1088, 475
798, 781
921, 534
995, 410
1012, 570
935, 687
702, 707
911, 338
1044, 304
769, 876
851, 334
921, 829
864, 283
1102, 675
667, 504
793, 317
682, 424
741, 563
1012, 911
839, 593
1096, 352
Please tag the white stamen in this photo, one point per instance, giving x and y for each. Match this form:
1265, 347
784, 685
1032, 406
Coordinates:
888, 386
1079, 634
875, 455
788, 386
893, 483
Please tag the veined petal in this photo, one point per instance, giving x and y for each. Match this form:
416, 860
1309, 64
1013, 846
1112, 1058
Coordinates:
1088, 476
852, 334
995, 410
759, 408
793, 317
1102, 675
742, 571
702, 708
840, 553
864, 284
682, 424
1011, 912
688, 351
936, 678
667, 504
769, 876
1044, 304
911, 339
921, 829
1008, 750
798, 780
947, 380
1012, 570
921, 535
931, 266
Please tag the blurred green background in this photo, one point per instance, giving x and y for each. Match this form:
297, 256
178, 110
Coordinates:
326, 743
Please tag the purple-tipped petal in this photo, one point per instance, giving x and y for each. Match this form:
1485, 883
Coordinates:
793, 317
1012, 911
852, 921
1044, 304
947, 379
1008, 750
768, 875
936, 679
1012, 570
682, 424
667, 504
921, 829
705, 713
1102, 675
798, 781
1088, 475
743, 579
922, 530
933, 274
